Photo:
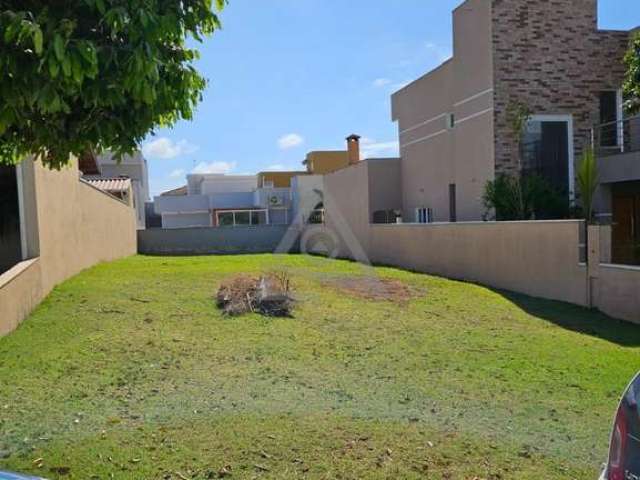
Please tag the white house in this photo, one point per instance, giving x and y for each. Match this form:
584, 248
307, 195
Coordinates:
218, 200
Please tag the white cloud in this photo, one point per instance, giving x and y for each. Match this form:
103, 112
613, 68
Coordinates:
164, 148
290, 140
214, 167
177, 173
381, 82
369, 148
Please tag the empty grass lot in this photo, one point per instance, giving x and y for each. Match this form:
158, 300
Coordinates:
128, 371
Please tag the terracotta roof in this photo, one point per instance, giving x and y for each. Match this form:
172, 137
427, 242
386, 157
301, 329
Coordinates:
111, 185
177, 192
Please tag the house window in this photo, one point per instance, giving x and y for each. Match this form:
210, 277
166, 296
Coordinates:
225, 219
259, 217
267, 184
385, 216
424, 215
450, 121
610, 115
242, 218
547, 150
453, 214
10, 234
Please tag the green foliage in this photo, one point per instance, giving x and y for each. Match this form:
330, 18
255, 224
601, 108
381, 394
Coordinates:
529, 197
518, 115
96, 74
632, 79
588, 181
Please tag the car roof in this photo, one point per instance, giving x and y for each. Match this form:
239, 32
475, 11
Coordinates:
15, 476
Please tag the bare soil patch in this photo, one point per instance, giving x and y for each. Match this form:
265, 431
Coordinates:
375, 288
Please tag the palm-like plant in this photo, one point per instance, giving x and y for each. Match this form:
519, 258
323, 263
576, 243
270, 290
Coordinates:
588, 181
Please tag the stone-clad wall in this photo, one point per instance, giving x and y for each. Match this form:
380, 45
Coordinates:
550, 56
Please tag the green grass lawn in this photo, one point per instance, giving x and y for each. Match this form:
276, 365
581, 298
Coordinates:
128, 371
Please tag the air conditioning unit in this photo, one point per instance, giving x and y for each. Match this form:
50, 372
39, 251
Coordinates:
275, 201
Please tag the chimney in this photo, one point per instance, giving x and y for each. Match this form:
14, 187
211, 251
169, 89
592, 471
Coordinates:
353, 149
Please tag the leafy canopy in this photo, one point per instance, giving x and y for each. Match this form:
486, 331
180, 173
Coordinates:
89, 75
632, 79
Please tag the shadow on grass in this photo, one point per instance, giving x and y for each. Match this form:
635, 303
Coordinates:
578, 319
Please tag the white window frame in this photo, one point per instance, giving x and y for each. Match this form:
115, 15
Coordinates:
268, 184
286, 215
424, 215
24, 247
571, 147
250, 211
450, 121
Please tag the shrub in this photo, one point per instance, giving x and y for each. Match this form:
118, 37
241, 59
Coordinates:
527, 197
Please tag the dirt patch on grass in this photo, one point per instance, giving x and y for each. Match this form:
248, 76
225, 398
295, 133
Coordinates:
268, 295
375, 288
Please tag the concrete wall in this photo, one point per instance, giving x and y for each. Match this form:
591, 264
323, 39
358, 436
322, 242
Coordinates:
616, 291
186, 220
71, 226
279, 179
619, 168
323, 162
199, 241
306, 193
384, 185
78, 225
541, 258
536, 258
346, 203
20, 293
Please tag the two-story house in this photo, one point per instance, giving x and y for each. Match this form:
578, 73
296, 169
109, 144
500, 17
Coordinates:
455, 126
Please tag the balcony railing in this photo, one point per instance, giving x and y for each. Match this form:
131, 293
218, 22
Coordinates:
316, 217
615, 138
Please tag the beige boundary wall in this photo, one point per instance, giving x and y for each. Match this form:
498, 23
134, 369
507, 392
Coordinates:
540, 258
616, 291
71, 226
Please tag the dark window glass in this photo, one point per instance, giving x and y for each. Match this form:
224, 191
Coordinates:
243, 218
10, 248
546, 152
608, 114
453, 214
225, 219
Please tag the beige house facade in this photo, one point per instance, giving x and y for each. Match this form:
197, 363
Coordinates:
454, 122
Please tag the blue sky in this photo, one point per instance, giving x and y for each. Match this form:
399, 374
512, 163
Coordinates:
290, 76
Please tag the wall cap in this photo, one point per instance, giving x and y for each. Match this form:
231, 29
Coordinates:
449, 224
614, 266
17, 270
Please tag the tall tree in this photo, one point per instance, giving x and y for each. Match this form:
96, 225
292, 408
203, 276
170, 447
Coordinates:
88, 75
632, 79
